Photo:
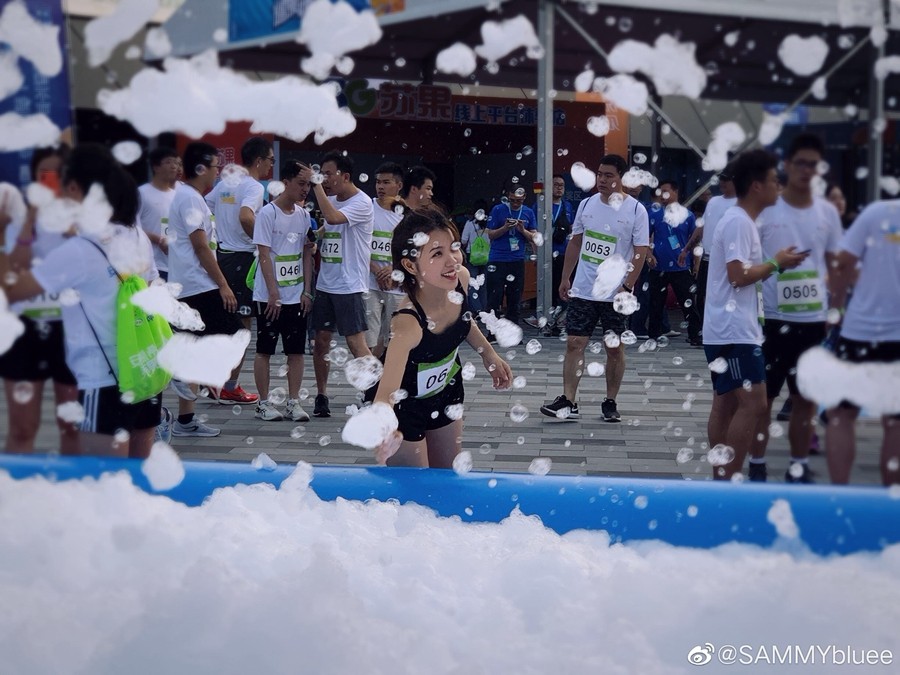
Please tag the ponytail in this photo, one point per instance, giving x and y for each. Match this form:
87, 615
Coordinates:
92, 163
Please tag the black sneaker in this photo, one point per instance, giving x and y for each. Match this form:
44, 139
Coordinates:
321, 408
609, 410
561, 408
757, 472
793, 475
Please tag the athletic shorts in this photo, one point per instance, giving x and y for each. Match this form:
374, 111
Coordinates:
105, 413
290, 325
218, 320
867, 352
785, 342
582, 317
416, 416
234, 266
745, 364
344, 312
380, 307
38, 354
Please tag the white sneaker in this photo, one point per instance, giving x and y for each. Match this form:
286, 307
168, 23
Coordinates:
164, 428
296, 412
268, 412
194, 428
673, 333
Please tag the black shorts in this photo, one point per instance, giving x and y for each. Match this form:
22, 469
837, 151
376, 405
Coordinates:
290, 325
866, 352
344, 312
416, 416
784, 342
235, 265
582, 317
38, 354
105, 413
218, 320
745, 364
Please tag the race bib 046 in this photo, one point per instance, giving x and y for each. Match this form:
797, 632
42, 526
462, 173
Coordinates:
381, 246
288, 270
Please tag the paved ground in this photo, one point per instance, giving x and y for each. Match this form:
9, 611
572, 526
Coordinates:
664, 402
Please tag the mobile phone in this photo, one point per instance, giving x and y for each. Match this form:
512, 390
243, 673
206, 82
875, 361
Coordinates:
809, 250
50, 178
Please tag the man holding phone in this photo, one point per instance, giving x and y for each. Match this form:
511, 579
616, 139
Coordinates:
511, 226
795, 301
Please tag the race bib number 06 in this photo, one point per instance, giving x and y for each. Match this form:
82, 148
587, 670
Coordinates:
332, 249
800, 291
597, 247
433, 377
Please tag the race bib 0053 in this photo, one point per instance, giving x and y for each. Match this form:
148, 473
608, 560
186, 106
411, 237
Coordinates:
597, 247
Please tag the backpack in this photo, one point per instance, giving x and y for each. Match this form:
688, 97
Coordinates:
480, 249
139, 337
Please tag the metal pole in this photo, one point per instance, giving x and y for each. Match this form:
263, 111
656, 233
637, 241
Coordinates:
544, 211
753, 140
655, 140
650, 102
876, 120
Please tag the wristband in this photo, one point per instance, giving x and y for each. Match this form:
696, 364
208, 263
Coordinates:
627, 288
308, 295
24, 242
774, 263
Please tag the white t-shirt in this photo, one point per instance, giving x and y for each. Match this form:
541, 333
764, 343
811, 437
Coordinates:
799, 295
44, 307
606, 231
226, 203
188, 214
154, 217
732, 314
715, 209
285, 234
345, 249
78, 265
873, 312
385, 222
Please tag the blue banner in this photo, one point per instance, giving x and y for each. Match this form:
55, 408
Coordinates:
251, 19
39, 94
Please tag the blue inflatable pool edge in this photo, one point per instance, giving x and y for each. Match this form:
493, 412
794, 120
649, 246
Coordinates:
830, 519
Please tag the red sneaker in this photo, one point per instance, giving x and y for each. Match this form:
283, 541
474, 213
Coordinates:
237, 395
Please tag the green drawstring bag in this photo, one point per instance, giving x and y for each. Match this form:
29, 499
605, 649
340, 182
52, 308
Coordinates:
480, 250
139, 337
250, 280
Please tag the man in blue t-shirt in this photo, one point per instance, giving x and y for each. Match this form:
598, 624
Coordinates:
671, 227
511, 226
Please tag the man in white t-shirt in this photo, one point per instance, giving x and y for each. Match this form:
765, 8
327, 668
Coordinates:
706, 227
345, 247
156, 198
607, 224
796, 301
279, 289
384, 294
235, 201
869, 262
192, 264
732, 334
